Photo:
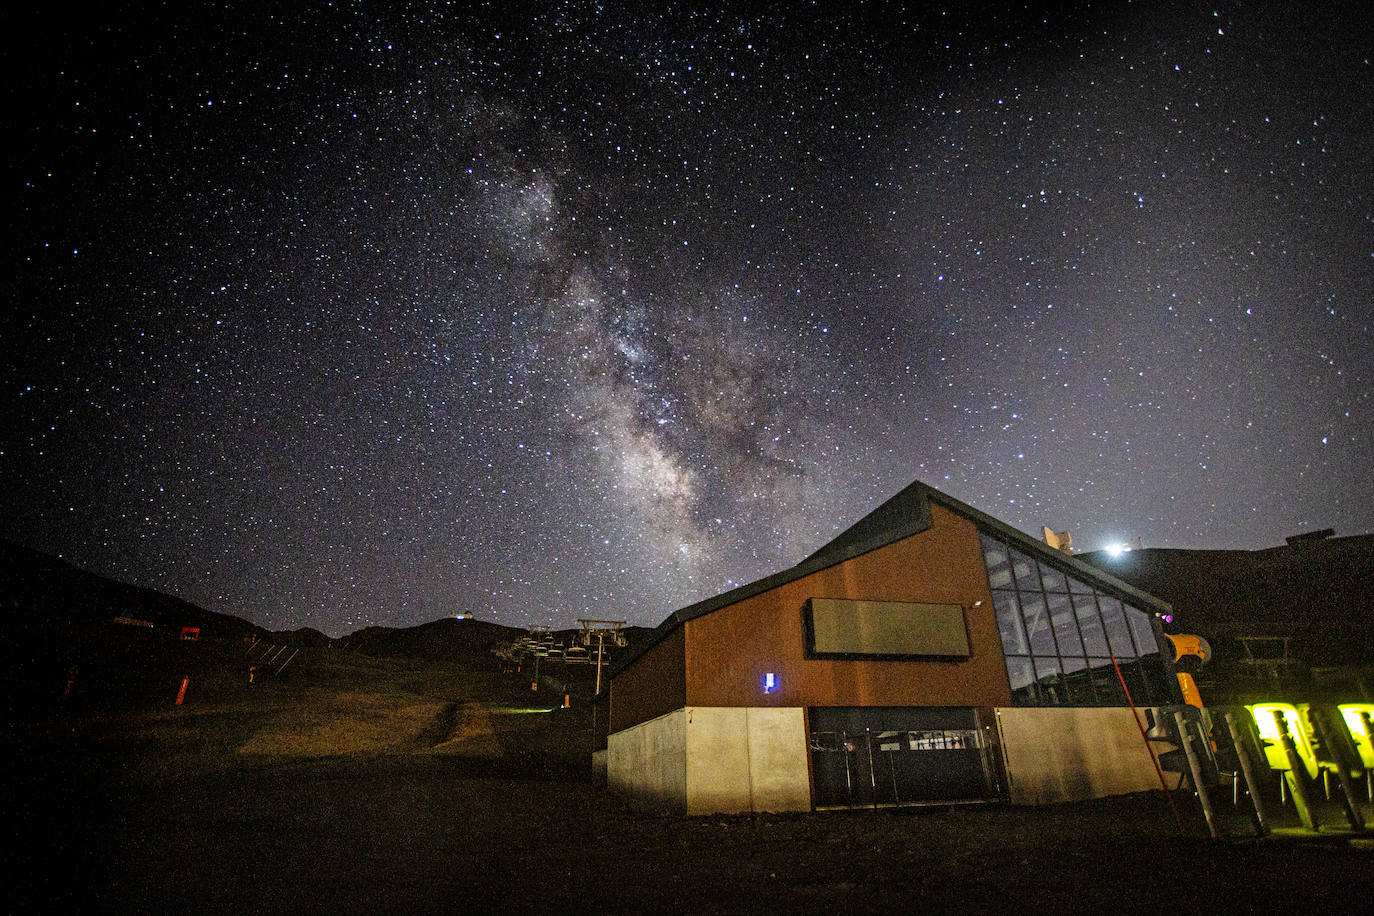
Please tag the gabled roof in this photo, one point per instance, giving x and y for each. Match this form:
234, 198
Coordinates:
900, 517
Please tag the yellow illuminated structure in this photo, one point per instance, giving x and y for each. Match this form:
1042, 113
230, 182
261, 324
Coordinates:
1188, 687
1358, 717
1273, 719
1190, 654
1186, 645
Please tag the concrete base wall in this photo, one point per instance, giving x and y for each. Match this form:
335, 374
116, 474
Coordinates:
747, 759
707, 760
734, 759
1070, 754
648, 762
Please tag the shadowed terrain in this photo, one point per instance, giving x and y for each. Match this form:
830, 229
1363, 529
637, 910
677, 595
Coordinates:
434, 782
361, 784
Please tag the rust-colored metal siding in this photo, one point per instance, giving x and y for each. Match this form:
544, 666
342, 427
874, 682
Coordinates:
728, 651
654, 684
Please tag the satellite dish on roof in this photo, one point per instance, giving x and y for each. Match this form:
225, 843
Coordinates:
1061, 540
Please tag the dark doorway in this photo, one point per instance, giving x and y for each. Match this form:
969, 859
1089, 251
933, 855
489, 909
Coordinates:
899, 755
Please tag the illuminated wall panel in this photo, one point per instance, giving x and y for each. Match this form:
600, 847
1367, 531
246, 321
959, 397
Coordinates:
885, 629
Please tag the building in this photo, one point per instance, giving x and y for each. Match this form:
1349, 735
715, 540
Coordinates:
930, 653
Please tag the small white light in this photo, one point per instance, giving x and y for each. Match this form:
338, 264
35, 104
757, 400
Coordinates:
1117, 550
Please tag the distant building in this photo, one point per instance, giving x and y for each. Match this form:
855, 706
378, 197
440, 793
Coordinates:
132, 622
931, 653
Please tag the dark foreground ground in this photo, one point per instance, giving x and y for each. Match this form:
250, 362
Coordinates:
365, 785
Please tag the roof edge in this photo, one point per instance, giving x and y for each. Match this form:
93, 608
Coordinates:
858, 539
1067, 561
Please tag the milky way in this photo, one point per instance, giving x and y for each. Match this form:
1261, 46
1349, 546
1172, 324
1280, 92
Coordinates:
358, 315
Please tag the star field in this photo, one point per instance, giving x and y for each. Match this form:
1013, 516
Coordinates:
368, 314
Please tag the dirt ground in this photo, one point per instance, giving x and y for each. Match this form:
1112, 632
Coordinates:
391, 785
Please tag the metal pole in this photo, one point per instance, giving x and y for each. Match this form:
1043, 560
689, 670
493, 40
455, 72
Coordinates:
872, 777
848, 778
600, 651
1195, 767
1295, 780
1247, 769
1368, 721
1352, 811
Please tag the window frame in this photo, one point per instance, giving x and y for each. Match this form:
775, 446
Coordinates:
1085, 677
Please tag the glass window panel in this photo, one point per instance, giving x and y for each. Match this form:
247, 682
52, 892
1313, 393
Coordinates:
1078, 680
1065, 626
1009, 623
1114, 619
825, 741
1135, 682
998, 563
1022, 678
1078, 586
1106, 683
1053, 579
1047, 675
1143, 630
1027, 577
1037, 624
1156, 679
1090, 625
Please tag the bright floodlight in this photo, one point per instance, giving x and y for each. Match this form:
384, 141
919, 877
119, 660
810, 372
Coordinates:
1117, 550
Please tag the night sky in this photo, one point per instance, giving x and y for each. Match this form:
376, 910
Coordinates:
359, 315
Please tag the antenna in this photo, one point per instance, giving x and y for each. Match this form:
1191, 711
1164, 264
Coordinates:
1059, 541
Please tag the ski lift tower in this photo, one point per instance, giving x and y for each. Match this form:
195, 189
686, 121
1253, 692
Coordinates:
600, 630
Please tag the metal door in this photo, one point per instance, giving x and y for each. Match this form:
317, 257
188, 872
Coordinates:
866, 756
